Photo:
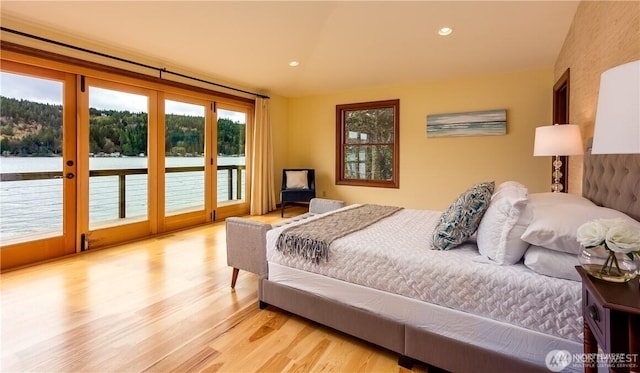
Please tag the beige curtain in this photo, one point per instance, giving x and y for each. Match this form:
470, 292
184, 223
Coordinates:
263, 193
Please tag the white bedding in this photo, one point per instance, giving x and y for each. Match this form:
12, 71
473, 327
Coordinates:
394, 256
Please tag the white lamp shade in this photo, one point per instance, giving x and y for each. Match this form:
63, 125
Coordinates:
617, 127
558, 140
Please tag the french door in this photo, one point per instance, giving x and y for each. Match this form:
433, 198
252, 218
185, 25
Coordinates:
89, 162
185, 143
38, 164
117, 172
234, 124
205, 167
156, 161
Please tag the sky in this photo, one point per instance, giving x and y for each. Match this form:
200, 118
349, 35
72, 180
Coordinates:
50, 92
38, 90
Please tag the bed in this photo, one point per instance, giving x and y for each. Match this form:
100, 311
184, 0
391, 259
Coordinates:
492, 303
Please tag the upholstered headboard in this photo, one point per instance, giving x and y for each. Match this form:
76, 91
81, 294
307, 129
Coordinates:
613, 180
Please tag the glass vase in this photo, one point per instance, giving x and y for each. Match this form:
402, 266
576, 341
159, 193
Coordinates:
607, 265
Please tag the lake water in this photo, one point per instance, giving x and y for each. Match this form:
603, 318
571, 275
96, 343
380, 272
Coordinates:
42, 164
33, 207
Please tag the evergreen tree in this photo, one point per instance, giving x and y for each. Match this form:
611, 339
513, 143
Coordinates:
35, 129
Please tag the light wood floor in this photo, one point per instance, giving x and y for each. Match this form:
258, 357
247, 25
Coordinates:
163, 304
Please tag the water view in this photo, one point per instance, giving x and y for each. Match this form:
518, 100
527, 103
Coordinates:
118, 122
32, 207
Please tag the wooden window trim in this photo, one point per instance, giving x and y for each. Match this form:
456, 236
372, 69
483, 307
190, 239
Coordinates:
394, 182
561, 92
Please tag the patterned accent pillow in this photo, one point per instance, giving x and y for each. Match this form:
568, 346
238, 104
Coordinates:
460, 220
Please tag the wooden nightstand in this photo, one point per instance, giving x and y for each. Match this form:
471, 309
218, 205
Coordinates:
611, 314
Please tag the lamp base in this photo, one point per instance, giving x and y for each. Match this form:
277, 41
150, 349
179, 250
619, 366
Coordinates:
557, 187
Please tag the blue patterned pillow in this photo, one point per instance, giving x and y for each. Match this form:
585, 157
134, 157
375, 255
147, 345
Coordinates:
460, 220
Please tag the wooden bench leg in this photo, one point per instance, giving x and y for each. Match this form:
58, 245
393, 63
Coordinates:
234, 277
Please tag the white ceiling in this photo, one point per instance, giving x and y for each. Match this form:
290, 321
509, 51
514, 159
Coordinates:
340, 45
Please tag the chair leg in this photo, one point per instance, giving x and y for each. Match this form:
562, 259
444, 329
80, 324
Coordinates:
234, 277
282, 210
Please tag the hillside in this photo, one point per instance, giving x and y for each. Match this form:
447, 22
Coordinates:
34, 129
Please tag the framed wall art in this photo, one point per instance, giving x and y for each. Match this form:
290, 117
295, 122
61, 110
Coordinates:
474, 123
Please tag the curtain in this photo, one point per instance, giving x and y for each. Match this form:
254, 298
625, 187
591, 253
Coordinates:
263, 194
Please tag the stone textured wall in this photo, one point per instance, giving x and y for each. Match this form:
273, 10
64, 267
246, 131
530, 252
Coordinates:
603, 34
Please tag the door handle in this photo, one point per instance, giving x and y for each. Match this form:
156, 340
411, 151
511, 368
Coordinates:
69, 175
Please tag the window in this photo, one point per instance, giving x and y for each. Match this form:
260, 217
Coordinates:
368, 141
116, 154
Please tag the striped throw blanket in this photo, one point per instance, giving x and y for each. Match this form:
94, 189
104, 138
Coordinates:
311, 240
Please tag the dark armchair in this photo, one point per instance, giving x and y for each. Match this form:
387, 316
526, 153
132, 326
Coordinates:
298, 185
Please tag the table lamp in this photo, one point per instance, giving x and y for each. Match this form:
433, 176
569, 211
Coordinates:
557, 140
617, 127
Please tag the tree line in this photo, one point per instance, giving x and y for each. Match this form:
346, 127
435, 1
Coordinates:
30, 128
369, 135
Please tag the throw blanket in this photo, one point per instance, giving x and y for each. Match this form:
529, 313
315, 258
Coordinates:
311, 240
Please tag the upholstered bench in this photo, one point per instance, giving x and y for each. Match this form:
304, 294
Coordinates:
246, 238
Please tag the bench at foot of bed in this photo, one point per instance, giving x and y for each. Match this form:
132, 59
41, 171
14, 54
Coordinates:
247, 239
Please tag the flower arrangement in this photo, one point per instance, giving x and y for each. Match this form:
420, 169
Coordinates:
616, 236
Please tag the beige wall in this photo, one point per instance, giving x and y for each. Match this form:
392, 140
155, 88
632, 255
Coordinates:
433, 171
602, 35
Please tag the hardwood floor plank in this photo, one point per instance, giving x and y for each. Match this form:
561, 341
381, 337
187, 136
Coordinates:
196, 361
309, 360
183, 354
163, 304
276, 363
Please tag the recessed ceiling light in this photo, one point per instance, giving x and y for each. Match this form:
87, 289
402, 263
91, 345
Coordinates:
444, 31
294, 63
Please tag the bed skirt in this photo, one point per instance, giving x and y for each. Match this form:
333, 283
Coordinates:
410, 342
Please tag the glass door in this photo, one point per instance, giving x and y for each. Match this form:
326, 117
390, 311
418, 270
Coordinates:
116, 177
37, 165
232, 176
205, 161
88, 162
187, 122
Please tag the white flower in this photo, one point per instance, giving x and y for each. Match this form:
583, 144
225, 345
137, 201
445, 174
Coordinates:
623, 238
593, 233
616, 236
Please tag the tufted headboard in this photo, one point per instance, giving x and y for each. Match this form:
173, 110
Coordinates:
613, 180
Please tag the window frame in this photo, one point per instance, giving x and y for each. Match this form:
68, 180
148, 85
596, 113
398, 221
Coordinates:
77, 74
341, 143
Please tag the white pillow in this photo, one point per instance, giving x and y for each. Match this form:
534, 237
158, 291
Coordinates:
498, 235
297, 180
555, 220
510, 185
552, 263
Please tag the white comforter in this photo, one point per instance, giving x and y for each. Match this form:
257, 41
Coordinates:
395, 255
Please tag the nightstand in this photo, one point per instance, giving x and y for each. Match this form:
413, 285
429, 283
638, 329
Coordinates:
611, 313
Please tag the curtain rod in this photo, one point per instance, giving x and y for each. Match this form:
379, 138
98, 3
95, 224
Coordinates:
161, 70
